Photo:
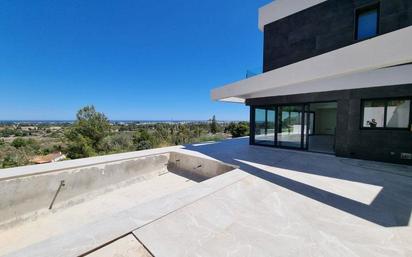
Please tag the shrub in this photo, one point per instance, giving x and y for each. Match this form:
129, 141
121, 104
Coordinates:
144, 145
239, 129
19, 142
9, 162
142, 140
120, 142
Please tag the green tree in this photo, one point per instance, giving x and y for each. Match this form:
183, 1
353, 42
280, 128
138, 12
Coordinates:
78, 146
117, 143
86, 134
239, 129
143, 140
213, 125
144, 145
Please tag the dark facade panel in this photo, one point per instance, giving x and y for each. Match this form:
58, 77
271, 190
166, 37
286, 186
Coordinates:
351, 140
326, 27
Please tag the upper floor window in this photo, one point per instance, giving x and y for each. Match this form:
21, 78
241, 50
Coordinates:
367, 22
387, 113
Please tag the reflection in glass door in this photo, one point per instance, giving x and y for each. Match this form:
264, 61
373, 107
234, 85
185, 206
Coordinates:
260, 125
265, 120
291, 131
283, 126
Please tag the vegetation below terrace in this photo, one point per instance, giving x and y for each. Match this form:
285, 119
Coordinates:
92, 134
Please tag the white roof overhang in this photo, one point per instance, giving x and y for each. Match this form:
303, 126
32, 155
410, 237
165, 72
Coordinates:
280, 9
365, 64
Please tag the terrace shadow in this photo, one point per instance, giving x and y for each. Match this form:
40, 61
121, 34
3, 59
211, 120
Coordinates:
391, 207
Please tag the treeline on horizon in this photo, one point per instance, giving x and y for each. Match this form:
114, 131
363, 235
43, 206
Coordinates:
114, 122
93, 134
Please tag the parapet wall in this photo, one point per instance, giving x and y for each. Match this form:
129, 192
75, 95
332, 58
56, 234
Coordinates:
28, 196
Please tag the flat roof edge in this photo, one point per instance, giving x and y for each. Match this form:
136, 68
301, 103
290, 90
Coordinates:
280, 9
380, 52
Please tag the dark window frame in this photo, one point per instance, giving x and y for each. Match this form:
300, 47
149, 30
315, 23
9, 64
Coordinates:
366, 8
388, 99
305, 104
253, 127
303, 146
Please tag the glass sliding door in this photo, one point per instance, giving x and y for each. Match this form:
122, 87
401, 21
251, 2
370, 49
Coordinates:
270, 126
283, 126
265, 126
308, 126
322, 127
291, 132
260, 124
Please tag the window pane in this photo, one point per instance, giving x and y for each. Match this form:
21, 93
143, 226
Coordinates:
311, 123
398, 114
260, 122
367, 24
290, 126
265, 126
271, 126
373, 114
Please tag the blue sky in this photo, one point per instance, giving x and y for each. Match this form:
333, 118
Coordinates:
132, 59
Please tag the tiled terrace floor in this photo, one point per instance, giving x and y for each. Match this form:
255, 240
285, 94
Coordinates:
280, 203
292, 204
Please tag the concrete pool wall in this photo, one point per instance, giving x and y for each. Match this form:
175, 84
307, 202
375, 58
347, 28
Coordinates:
29, 196
195, 168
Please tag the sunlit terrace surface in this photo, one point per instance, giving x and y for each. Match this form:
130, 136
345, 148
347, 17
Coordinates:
213, 199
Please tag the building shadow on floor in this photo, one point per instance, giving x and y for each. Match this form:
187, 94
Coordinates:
390, 208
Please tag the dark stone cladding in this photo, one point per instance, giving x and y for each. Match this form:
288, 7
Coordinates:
351, 140
325, 27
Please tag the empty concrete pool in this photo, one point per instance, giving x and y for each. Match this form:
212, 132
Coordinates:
42, 205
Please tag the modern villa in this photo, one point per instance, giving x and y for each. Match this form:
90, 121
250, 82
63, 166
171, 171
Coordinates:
337, 78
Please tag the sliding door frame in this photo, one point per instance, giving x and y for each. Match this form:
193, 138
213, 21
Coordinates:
276, 108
